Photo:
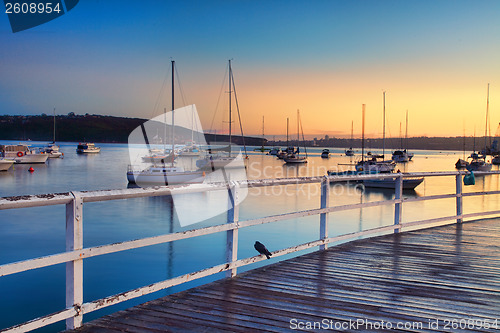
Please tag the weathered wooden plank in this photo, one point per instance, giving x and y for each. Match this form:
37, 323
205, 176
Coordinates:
440, 273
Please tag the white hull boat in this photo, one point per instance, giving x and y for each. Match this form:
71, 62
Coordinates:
164, 176
372, 166
87, 148
5, 164
479, 165
408, 183
217, 162
400, 156
349, 152
52, 150
294, 159
22, 154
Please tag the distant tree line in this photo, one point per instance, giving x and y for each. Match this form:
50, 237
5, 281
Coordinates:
91, 128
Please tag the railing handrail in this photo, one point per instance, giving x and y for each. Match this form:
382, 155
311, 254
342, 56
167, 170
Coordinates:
76, 253
38, 200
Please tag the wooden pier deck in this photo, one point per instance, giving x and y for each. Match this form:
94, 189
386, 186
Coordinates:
418, 281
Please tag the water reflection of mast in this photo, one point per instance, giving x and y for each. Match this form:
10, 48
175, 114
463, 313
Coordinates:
170, 245
361, 210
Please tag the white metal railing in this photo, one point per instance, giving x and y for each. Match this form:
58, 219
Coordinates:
75, 252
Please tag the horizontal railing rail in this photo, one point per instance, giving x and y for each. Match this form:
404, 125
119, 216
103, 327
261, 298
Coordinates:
75, 252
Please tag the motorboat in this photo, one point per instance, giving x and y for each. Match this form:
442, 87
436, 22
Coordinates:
5, 164
495, 160
325, 153
23, 154
461, 164
274, 151
400, 156
349, 152
52, 150
87, 148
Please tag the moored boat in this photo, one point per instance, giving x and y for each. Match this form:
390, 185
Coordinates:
460, 164
350, 152
87, 148
274, 151
164, 175
52, 150
479, 164
325, 153
5, 164
400, 156
294, 157
22, 154
409, 183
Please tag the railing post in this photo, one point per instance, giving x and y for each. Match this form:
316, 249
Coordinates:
232, 235
398, 207
460, 202
323, 218
74, 269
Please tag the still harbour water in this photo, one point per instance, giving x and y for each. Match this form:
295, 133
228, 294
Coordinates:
33, 232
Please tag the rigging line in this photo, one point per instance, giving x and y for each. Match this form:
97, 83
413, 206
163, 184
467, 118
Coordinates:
303, 139
183, 97
218, 100
160, 94
239, 117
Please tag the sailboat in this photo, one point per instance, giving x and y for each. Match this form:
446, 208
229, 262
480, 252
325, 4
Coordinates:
191, 149
295, 157
52, 149
371, 164
461, 162
402, 155
478, 162
165, 174
288, 150
262, 148
350, 152
217, 158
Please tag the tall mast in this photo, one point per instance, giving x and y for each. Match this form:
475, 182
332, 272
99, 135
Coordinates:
487, 116
406, 131
352, 131
230, 119
263, 138
400, 136
173, 107
363, 134
383, 139
287, 144
298, 132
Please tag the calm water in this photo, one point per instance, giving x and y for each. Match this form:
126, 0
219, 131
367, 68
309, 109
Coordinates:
33, 232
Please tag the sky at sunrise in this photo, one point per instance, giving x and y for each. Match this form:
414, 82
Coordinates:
326, 58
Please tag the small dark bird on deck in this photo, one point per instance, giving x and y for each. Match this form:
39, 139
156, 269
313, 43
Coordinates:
262, 249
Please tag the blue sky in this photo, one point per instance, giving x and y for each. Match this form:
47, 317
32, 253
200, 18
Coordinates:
326, 58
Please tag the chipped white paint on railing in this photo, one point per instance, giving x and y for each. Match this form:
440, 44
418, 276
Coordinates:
75, 253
